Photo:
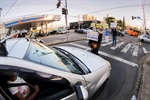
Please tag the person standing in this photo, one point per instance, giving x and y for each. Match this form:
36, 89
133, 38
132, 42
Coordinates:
100, 35
106, 35
114, 36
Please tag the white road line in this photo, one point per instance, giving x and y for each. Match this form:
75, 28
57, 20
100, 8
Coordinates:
144, 50
136, 50
105, 40
124, 50
109, 55
105, 44
117, 46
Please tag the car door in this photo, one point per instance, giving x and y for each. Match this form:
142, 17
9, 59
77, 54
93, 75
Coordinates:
148, 38
51, 86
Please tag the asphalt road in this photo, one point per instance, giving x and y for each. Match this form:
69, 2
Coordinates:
124, 59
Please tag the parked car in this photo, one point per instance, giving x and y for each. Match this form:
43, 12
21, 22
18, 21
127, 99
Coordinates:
40, 34
60, 72
54, 32
76, 30
120, 33
82, 31
144, 37
62, 31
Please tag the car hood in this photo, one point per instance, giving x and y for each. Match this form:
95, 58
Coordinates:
92, 61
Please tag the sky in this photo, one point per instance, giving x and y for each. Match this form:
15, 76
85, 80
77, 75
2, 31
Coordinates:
12, 9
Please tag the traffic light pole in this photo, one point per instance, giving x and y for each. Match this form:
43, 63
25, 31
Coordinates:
66, 19
144, 19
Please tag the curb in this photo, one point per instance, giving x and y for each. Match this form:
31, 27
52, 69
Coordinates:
141, 78
50, 44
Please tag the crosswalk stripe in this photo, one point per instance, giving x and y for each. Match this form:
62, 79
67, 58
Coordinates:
109, 55
104, 40
136, 49
144, 50
124, 50
105, 44
117, 46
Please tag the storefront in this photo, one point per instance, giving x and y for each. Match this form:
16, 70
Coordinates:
82, 24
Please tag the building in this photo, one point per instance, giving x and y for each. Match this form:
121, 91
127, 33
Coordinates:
83, 24
88, 17
2, 31
31, 22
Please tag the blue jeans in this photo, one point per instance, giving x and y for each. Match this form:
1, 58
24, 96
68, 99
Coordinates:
114, 40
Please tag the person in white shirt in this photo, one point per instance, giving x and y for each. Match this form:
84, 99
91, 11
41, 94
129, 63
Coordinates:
21, 92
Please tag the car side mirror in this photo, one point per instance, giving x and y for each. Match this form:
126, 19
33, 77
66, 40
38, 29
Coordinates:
81, 91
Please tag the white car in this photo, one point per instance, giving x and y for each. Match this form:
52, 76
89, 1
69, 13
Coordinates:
144, 37
60, 72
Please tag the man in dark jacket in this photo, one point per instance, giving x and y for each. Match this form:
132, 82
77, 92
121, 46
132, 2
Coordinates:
114, 36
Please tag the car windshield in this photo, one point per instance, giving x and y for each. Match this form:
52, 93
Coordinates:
50, 57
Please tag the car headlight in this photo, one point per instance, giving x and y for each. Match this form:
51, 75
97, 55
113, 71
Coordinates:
109, 65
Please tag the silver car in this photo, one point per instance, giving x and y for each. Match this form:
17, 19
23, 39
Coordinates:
65, 73
144, 37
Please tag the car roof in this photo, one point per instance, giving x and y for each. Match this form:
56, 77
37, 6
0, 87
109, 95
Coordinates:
17, 47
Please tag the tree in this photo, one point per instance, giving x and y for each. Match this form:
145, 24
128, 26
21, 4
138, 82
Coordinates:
109, 20
120, 23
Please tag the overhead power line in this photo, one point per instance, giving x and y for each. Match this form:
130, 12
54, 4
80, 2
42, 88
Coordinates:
118, 8
9, 9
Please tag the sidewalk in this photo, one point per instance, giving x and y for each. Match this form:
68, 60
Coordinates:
144, 84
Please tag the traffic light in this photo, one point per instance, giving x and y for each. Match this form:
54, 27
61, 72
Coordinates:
64, 11
133, 17
58, 4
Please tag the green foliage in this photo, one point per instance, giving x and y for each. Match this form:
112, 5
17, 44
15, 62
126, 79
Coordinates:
109, 20
119, 23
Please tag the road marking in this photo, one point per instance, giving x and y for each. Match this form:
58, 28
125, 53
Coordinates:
124, 50
117, 46
136, 49
144, 50
104, 40
105, 44
108, 55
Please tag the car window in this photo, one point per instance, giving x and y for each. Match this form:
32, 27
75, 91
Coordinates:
81, 65
50, 57
54, 88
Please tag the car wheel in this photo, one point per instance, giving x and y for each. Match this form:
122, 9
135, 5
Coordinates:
142, 40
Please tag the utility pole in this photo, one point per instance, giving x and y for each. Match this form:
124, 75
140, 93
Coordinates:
0, 14
66, 18
78, 21
144, 19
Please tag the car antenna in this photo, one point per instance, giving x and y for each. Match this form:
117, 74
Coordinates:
8, 37
3, 50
